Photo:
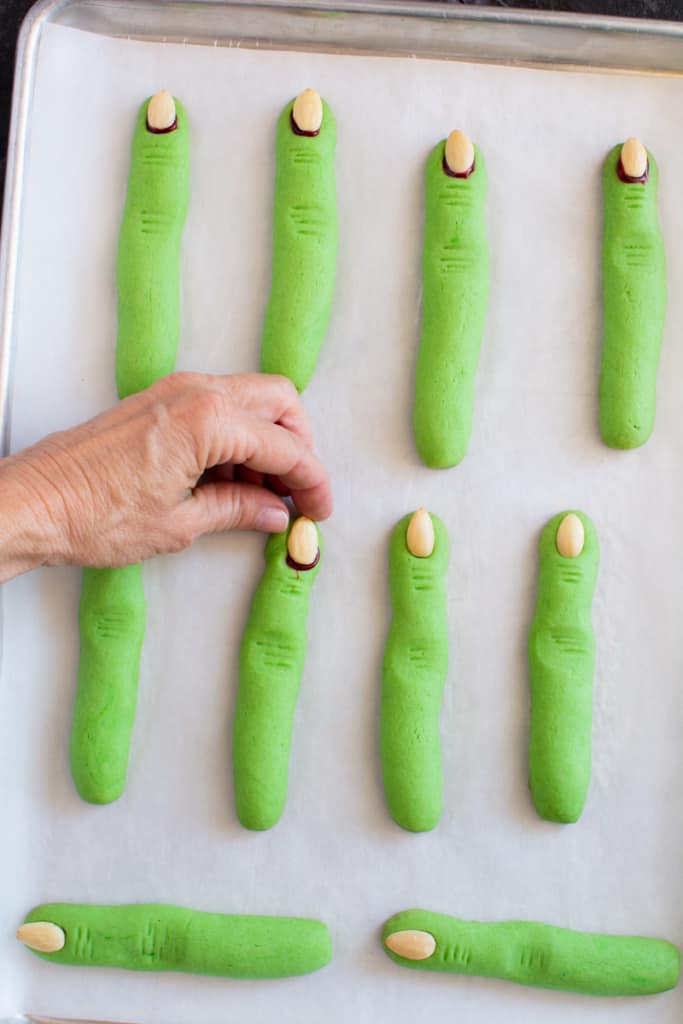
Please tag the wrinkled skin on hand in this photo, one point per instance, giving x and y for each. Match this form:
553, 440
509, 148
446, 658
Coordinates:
193, 454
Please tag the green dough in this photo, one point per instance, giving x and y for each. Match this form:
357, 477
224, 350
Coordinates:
413, 676
148, 267
158, 937
542, 955
455, 284
112, 608
112, 617
304, 249
561, 660
272, 659
634, 291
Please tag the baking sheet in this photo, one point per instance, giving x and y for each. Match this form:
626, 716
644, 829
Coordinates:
535, 450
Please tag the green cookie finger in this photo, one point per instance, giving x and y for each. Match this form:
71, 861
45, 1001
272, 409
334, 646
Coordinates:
455, 284
634, 296
148, 266
158, 937
112, 607
561, 660
414, 672
272, 659
529, 953
304, 240
112, 616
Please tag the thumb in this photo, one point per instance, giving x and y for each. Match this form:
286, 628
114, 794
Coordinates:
228, 505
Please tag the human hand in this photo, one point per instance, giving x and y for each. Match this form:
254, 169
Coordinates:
187, 456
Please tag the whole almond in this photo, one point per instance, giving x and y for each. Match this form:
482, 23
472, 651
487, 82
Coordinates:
161, 112
302, 543
420, 534
43, 936
411, 945
634, 158
459, 152
571, 536
308, 111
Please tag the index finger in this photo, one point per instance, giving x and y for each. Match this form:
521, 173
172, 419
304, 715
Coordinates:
276, 451
316, 502
272, 397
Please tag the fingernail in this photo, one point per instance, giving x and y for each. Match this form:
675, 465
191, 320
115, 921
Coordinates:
272, 520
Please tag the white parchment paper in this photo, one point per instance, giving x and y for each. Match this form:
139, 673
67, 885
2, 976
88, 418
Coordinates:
535, 450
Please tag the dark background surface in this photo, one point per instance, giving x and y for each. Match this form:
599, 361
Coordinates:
13, 11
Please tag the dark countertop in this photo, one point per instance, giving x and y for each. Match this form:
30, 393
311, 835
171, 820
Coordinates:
13, 11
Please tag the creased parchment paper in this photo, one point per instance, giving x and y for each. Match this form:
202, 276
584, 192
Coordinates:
535, 450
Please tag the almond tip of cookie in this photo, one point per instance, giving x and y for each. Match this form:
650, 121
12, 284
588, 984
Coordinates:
411, 944
302, 542
307, 112
161, 111
571, 536
420, 538
634, 158
459, 152
42, 936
